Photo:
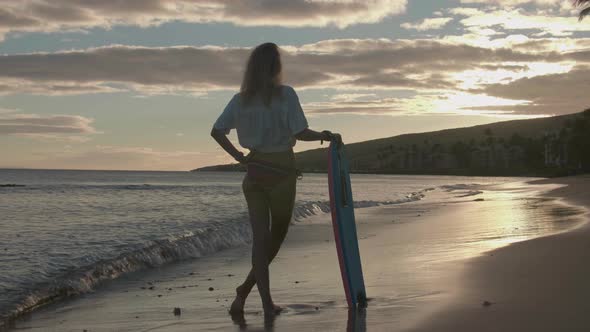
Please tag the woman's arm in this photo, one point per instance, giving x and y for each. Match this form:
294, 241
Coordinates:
312, 135
225, 143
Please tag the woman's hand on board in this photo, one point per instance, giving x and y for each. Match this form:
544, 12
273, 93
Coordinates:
331, 137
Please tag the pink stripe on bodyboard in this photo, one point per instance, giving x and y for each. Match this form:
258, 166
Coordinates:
335, 227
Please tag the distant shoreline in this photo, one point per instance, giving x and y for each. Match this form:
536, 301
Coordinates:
483, 173
224, 169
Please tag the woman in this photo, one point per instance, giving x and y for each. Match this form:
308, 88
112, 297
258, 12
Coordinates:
269, 120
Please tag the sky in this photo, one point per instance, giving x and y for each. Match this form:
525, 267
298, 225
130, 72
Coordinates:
137, 84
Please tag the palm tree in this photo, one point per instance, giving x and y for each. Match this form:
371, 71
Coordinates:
585, 4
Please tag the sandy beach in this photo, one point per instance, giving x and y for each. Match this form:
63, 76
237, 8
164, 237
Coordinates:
535, 285
428, 267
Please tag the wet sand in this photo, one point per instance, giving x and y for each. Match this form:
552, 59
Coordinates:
305, 280
423, 266
536, 285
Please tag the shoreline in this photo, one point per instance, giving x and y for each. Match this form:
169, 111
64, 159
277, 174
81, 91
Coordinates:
538, 284
317, 302
204, 288
549, 174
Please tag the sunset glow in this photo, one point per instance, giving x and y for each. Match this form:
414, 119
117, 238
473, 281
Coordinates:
139, 87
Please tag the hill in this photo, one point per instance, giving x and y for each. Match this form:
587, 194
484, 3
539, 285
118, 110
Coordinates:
542, 146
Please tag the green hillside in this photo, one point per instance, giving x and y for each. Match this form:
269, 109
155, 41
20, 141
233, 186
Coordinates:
543, 146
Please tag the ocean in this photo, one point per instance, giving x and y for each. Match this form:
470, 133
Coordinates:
63, 232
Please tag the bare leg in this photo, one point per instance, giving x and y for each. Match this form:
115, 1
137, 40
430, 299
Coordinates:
259, 210
277, 236
281, 207
260, 261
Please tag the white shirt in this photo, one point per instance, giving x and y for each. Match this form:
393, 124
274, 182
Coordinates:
265, 128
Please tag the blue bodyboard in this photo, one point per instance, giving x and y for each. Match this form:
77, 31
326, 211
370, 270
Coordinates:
343, 222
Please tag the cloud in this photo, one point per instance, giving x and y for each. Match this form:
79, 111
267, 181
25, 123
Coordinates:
442, 67
6, 110
52, 88
560, 93
438, 102
56, 138
428, 24
44, 126
351, 96
516, 2
546, 23
346, 63
354, 105
69, 72
64, 15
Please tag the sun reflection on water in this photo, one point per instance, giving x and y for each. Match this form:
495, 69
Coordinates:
509, 214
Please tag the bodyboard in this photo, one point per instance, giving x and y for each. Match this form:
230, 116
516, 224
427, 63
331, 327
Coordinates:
343, 222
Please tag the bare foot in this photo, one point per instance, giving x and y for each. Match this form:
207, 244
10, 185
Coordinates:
238, 319
276, 310
238, 305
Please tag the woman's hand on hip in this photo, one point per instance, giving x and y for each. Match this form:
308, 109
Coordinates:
241, 158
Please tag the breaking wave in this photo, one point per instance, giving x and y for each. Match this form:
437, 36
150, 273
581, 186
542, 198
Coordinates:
312, 208
84, 279
201, 242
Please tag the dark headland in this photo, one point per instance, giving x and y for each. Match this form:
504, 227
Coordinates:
551, 146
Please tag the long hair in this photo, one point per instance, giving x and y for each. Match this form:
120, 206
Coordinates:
263, 74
